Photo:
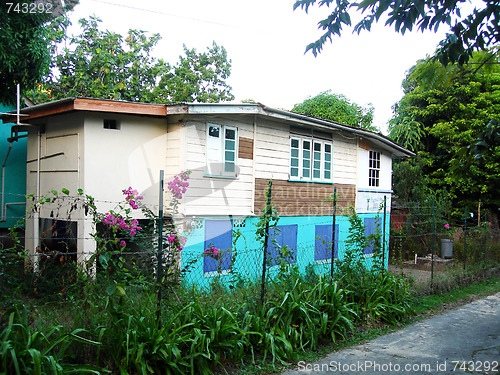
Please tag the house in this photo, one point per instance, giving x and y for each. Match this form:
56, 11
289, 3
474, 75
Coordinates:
233, 150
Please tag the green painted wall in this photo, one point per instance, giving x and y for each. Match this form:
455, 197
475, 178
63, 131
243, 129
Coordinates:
15, 173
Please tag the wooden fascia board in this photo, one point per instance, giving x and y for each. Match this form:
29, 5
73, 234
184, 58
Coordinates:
90, 105
32, 113
93, 105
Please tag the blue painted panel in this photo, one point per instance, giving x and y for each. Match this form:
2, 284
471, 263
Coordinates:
218, 233
370, 228
283, 235
323, 242
15, 174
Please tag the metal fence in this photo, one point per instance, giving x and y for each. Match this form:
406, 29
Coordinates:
418, 234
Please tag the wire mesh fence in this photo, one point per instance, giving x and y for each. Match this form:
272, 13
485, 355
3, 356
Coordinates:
416, 234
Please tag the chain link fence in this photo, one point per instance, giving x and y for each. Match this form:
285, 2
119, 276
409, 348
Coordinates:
418, 236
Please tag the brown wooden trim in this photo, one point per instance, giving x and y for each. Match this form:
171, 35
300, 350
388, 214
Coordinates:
364, 144
85, 104
44, 110
245, 148
293, 198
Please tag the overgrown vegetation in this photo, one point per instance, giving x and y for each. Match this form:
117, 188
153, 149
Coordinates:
107, 315
115, 323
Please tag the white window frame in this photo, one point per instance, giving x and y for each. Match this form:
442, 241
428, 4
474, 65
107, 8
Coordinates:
374, 167
300, 166
221, 151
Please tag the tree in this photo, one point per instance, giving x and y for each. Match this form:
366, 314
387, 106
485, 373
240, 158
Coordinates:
25, 43
475, 31
439, 119
337, 108
104, 64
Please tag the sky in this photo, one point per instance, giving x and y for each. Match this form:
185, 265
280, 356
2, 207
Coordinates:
266, 40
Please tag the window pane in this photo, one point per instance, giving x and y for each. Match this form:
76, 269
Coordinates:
306, 173
317, 173
307, 164
306, 145
317, 147
229, 167
229, 156
374, 168
230, 145
230, 134
306, 154
294, 157
213, 131
327, 165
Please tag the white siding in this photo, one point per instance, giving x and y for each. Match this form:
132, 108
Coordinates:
370, 198
272, 151
344, 160
215, 196
60, 146
174, 155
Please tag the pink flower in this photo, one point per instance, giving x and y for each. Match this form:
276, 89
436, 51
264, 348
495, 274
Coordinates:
447, 226
213, 252
123, 243
132, 196
178, 185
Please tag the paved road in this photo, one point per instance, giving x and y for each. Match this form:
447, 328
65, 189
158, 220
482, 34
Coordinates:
468, 336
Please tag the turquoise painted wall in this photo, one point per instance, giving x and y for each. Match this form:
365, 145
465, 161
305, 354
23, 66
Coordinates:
15, 173
249, 257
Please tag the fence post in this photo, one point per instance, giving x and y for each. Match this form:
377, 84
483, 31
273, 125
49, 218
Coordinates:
266, 237
465, 236
432, 240
333, 230
160, 242
484, 239
383, 232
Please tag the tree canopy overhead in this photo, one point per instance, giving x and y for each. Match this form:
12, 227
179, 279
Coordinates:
104, 64
337, 108
467, 33
26, 37
445, 111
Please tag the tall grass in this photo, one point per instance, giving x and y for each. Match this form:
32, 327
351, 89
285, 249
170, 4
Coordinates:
198, 332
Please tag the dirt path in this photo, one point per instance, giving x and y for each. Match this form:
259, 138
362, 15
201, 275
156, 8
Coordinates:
419, 276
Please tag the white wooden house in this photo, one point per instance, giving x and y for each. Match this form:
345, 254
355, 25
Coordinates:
103, 147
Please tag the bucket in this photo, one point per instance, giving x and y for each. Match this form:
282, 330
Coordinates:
446, 248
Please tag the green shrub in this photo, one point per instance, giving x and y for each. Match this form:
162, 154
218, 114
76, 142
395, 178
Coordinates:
25, 350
